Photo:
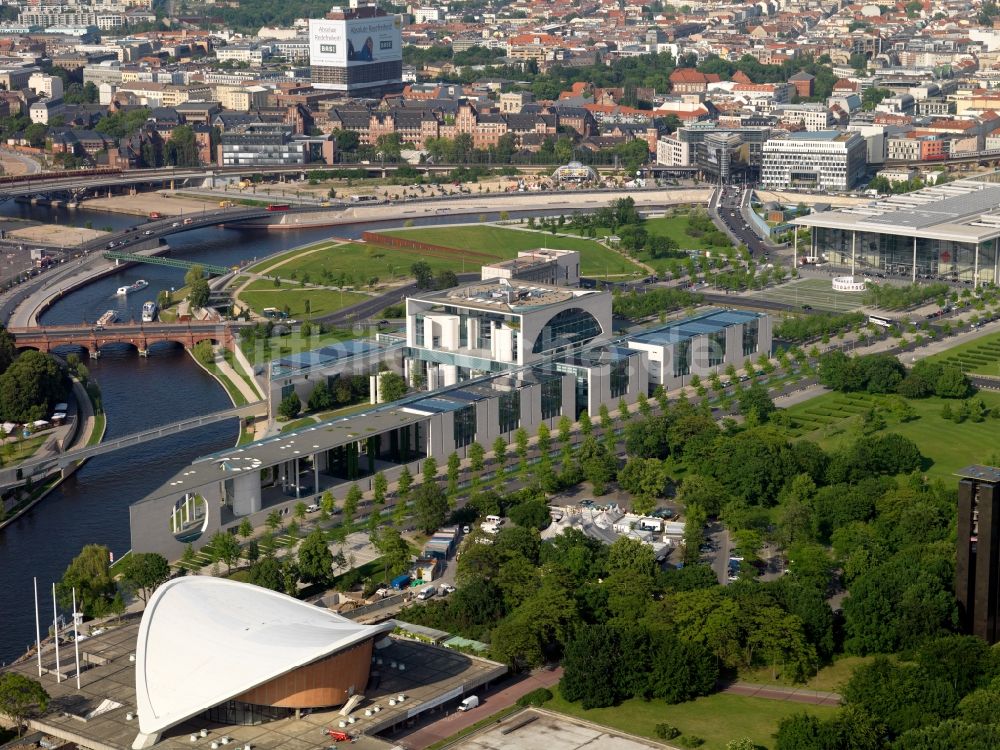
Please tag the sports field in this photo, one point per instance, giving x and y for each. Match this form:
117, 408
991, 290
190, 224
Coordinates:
978, 357
830, 419
817, 293
487, 244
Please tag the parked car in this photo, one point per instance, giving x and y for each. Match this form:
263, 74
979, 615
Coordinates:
469, 703
427, 593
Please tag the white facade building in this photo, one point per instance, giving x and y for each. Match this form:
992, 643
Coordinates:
51, 87
824, 160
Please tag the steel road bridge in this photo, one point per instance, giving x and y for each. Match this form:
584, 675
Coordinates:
35, 467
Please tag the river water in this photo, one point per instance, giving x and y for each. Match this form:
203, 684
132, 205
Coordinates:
92, 507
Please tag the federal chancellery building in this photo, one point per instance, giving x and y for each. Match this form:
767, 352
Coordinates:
948, 232
483, 360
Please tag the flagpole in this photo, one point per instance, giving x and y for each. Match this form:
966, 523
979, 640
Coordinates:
38, 630
76, 641
55, 632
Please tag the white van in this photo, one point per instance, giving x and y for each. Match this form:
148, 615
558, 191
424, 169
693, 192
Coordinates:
427, 593
494, 521
471, 702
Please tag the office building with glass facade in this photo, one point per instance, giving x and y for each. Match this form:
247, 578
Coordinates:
498, 324
483, 360
824, 160
949, 232
702, 345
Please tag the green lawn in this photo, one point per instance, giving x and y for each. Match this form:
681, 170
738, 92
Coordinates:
675, 228
818, 293
500, 243
263, 265
21, 449
979, 357
98, 434
948, 446
262, 294
362, 262
830, 678
717, 718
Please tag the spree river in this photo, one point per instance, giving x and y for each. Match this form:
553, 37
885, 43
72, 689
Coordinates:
92, 506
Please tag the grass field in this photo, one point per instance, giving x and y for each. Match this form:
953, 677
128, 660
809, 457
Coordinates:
948, 446
717, 719
817, 293
675, 228
492, 243
830, 678
261, 294
978, 357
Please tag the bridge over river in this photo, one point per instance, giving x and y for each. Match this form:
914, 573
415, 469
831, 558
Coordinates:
140, 335
43, 466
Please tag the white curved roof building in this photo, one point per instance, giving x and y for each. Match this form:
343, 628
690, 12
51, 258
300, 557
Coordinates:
206, 641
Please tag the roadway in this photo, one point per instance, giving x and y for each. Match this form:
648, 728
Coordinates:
23, 470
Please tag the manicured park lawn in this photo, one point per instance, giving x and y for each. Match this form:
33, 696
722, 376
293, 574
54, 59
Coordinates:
265, 265
261, 294
361, 262
979, 357
717, 718
501, 243
293, 343
674, 227
947, 445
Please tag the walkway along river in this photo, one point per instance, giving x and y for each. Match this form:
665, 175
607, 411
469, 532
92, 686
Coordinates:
92, 507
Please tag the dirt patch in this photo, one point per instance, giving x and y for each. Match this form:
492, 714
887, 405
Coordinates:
55, 235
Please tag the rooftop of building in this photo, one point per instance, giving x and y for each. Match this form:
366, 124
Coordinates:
708, 322
961, 211
529, 258
980, 472
500, 295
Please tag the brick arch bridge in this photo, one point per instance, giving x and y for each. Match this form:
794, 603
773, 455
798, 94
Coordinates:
139, 335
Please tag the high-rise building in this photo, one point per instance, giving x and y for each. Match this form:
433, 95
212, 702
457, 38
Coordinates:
977, 566
357, 51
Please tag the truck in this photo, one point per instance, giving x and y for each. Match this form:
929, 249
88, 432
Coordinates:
400, 582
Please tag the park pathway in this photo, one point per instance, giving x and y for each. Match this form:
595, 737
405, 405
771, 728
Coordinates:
781, 693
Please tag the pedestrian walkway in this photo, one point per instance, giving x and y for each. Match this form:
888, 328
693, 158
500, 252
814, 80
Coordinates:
780, 693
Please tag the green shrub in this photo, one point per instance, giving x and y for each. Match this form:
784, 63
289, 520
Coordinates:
536, 697
690, 740
666, 731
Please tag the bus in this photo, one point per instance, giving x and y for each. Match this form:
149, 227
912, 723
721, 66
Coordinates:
273, 313
363, 198
879, 320
278, 207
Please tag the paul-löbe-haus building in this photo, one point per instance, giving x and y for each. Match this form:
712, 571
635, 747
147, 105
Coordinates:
949, 232
490, 357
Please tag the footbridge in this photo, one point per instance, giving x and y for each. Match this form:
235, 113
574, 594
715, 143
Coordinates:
60, 461
93, 337
158, 260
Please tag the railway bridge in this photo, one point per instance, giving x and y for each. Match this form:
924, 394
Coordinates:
93, 337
